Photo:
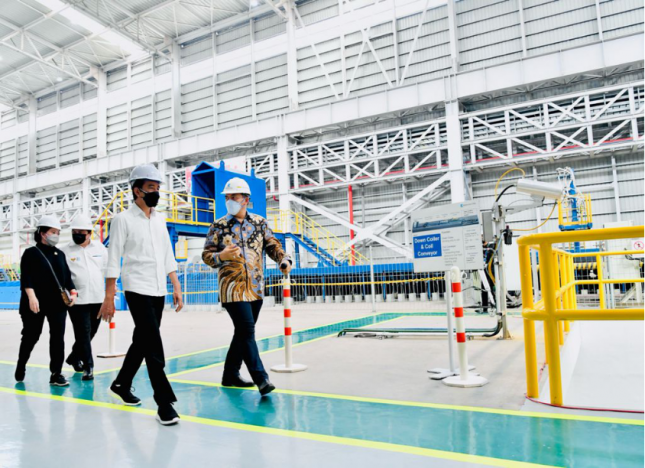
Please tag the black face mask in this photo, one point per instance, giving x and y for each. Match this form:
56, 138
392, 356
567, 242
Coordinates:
79, 238
151, 199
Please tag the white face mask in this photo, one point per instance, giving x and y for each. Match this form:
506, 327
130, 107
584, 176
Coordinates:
233, 207
52, 240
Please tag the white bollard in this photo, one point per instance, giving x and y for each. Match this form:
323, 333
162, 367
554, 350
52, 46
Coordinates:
464, 379
112, 353
288, 366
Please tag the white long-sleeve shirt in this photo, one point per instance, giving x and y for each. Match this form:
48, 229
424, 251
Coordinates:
88, 265
144, 245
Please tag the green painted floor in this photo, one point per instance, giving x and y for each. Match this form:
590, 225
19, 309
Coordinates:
498, 436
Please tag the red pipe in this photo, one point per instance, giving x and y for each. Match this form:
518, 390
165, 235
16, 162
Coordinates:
350, 198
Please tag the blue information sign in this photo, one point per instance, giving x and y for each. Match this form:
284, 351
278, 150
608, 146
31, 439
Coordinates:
427, 246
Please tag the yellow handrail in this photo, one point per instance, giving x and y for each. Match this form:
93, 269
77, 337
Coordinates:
565, 211
559, 302
282, 221
178, 208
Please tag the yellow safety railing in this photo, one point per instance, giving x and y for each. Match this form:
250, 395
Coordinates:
177, 207
559, 303
583, 211
283, 221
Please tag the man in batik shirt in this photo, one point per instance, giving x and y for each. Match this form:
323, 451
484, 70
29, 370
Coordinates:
235, 245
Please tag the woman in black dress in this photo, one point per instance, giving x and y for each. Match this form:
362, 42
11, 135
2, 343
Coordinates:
41, 298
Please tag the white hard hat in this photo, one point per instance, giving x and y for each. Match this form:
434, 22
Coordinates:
145, 172
236, 185
49, 221
82, 222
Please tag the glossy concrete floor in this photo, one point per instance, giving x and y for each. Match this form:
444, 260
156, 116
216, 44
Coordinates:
362, 402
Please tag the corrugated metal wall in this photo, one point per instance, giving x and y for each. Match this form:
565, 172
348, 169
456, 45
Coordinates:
488, 32
70, 96
7, 159
68, 142
197, 107
117, 78
8, 119
23, 155
368, 76
313, 86
117, 128
621, 17
89, 137
46, 149
141, 122
141, 70
234, 103
46, 104
163, 116
271, 91
431, 56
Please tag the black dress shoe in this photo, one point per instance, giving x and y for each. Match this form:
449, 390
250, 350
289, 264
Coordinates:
266, 387
236, 381
77, 365
88, 374
20, 373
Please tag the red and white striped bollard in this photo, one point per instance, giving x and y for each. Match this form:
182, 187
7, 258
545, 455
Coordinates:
288, 366
464, 379
111, 353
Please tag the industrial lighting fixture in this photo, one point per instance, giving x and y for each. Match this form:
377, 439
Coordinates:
59, 79
80, 19
539, 189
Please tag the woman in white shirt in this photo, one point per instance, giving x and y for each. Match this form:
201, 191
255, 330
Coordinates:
87, 260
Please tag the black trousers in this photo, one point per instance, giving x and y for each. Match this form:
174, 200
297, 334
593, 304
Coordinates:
32, 327
86, 322
146, 344
243, 346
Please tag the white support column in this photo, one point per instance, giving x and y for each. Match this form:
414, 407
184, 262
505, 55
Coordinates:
15, 228
175, 90
520, 5
31, 137
254, 98
101, 115
538, 218
455, 156
406, 221
284, 185
292, 58
599, 19
616, 190
454, 39
86, 196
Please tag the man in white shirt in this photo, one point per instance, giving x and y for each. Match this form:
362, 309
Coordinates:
139, 237
87, 261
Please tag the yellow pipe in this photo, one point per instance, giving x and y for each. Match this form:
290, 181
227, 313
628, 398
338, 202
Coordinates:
550, 325
561, 333
530, 349
607, 314
601, 284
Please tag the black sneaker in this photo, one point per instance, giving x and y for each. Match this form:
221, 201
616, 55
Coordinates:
77, 365
236, 381
124, 394
266, 387
166, 415
58, 380
88, 374
20, 373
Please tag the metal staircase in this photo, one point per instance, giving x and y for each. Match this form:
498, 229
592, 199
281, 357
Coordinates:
314, 238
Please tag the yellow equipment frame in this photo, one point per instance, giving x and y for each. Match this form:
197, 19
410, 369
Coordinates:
558, 305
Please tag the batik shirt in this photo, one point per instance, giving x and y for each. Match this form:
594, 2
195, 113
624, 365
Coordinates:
242, 278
